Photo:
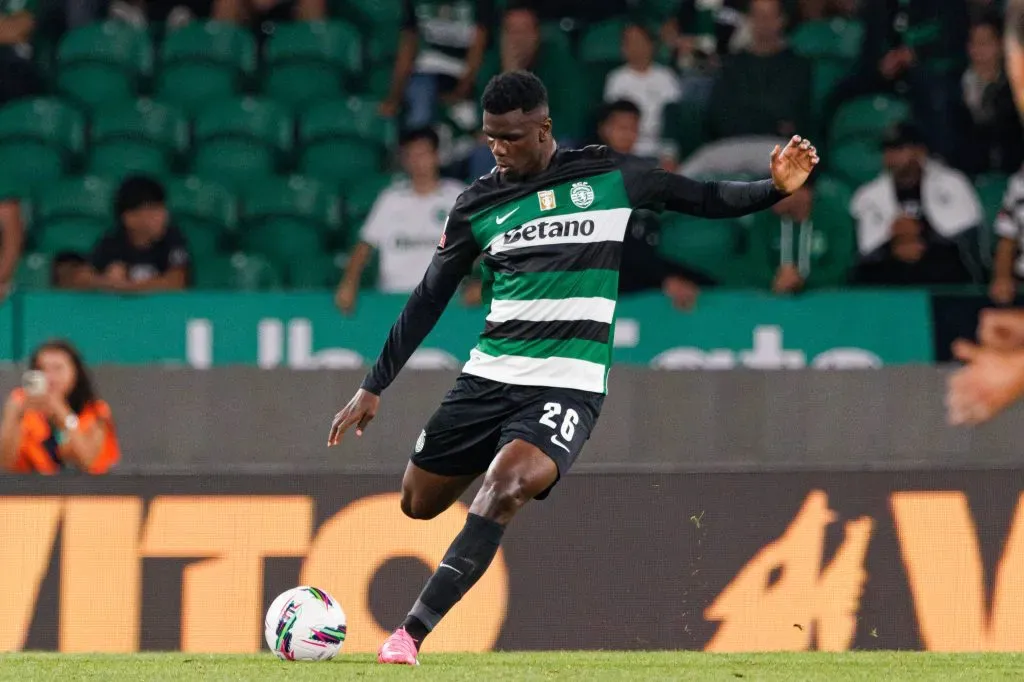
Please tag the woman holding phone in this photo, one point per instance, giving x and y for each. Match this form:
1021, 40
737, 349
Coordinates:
55, 421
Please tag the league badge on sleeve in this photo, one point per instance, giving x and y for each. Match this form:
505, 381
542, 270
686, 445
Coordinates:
444, 234
546, 199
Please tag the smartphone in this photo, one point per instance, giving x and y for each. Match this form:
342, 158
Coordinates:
34, 382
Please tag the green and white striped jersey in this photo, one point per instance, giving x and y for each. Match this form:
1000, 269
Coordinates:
553, 243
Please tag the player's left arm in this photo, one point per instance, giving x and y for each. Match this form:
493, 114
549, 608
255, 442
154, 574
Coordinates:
790, 168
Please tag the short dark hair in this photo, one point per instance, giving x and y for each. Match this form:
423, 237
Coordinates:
988, 20
514, 90
83, 392
643, 28
619, 106
137, 191
1015, 20
416, 134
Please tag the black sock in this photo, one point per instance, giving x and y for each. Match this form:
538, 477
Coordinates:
465, 561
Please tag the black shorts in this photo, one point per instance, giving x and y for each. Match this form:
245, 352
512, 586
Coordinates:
479, 416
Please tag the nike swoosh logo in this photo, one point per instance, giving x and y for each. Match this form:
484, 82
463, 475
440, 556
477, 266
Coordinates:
554, 439
501, 219
450, 568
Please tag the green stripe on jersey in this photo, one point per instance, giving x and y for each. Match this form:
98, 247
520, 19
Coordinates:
577, 349
547, 285
604, 191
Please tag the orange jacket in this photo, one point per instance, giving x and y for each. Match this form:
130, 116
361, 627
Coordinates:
33, 456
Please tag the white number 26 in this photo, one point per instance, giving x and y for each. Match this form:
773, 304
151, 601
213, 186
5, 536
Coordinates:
568, 429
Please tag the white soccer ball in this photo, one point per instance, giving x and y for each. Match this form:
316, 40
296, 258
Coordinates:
305, 624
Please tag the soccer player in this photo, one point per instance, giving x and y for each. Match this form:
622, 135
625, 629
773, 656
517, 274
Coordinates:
993, 378
550, 224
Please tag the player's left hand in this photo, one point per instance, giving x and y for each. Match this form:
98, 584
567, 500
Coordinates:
991, 381
792, 165
359, 412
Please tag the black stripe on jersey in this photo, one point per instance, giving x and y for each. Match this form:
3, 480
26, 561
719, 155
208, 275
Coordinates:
559, 258
525, 330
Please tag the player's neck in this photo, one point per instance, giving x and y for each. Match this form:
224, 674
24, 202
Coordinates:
425, 185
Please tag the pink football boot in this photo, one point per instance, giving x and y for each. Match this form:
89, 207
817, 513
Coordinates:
399, 648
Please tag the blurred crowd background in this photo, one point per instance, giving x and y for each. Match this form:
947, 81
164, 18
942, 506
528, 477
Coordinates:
305, 144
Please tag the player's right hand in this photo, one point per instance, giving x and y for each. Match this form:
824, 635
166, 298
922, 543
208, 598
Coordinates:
359, 412
1001, 330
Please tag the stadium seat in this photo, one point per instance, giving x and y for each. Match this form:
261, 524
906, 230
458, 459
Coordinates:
343, 140
685, 124
142, 137
40, 138
237, 140
832, 38
826, 73
286, 219
72, 214
318, 271
306, 61
359, 201
711, 246
856, 161
252, 272
602, 43
33, 272
104, 63
370, 15
203, 62
867, 117
205, 212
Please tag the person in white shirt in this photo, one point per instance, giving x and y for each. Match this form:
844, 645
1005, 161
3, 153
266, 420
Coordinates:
651, 86
405, 224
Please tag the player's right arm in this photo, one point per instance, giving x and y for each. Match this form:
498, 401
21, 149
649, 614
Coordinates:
452, 261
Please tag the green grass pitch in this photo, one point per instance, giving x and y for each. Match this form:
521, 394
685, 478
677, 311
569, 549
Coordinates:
586, 665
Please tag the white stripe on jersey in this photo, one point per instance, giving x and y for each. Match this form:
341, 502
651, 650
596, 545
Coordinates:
555, 372
1010, 223
552, 309
609, 226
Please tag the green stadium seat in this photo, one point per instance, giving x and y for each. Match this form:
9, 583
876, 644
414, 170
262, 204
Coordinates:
856, 161
204, 61
370, 15
826, 73
711, 246
33, 272
832, 38
990, 188
685, 123
343, 140
72, 214
205, 212
319, 271
287, 219
142, 137
237, 140
103, 63
867, 117
308, 61
252, 272
41, 138
602, 43
359, 200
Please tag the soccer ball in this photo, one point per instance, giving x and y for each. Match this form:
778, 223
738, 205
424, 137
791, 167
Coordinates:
305, 624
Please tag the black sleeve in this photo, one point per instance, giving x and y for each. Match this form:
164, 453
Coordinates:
452, 261
652, 187
105, 254
409, 15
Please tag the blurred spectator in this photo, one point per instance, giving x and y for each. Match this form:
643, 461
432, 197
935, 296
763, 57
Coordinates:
914, 221
67, 268
992, 139
650, 86
247, 12
144, 252
56, 421
521, 47
18, 76
702, 32
911, 48
803, 243
1008, 269
12, 237
405, 224
576, 11
453, 37
822, 10
642, 267
765, 90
